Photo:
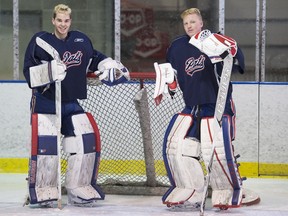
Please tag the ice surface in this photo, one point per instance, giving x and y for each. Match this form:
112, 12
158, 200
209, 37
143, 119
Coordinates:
273, 193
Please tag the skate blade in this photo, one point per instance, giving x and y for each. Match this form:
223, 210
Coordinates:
91, 204
185, 207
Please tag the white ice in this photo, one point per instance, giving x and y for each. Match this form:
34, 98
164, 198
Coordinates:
273, 193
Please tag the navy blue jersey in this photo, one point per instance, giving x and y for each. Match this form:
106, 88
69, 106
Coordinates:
76, 51
197, 76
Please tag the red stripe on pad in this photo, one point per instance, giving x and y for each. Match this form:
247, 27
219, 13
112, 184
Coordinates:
34, 137
96, 132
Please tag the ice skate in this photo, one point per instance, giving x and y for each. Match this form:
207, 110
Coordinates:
76, 201
47, 204
186, 206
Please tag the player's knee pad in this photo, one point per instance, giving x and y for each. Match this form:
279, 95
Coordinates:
180, 155
225, 178
42, 179
83, 162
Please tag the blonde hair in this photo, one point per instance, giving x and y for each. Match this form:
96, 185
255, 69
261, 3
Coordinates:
191, 11
61, 8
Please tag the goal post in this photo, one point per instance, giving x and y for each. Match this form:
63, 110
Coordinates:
132, 129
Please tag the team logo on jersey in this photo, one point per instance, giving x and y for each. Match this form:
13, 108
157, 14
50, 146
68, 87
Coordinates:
193, 65
71, 59
78, 40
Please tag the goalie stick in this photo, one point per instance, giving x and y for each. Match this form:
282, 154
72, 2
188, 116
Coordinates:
53, 52
219, 110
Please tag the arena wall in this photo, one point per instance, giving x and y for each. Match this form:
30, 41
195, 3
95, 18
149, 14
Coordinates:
261, 137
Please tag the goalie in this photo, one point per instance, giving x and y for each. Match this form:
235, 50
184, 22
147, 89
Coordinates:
196, 61
81, 139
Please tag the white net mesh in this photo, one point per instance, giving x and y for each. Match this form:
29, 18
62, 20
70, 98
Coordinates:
122, 152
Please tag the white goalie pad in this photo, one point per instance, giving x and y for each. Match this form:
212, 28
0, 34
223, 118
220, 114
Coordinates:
226, 184
78, 177
39, 75
185, 169
82, 125
46, 125
46, 178
43, 163
46, 73
81, 164
213, 44
165, 75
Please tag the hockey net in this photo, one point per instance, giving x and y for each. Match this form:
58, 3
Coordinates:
132, 129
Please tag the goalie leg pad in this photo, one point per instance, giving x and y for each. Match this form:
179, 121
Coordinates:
42, 178
180, 157
83, 162
225, 178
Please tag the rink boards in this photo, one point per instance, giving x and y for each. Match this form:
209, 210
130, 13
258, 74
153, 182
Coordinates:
261, 139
